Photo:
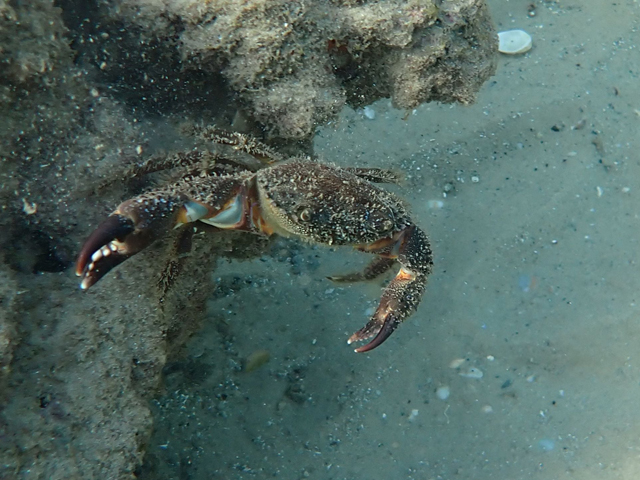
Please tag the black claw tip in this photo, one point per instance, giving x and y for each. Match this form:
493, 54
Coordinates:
385, 332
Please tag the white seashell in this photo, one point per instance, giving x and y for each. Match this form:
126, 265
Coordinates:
514, 42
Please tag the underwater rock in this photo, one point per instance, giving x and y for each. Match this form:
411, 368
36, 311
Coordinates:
292, 66
8, 294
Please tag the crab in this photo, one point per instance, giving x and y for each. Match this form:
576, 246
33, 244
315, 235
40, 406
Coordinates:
271, 195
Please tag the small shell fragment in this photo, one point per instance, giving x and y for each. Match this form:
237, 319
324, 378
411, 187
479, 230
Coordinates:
256, 360
473, 372
413, 415
28, 207
456, 362
514, 42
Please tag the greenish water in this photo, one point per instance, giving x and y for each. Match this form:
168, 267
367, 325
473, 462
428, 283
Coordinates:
521, 363
535, 285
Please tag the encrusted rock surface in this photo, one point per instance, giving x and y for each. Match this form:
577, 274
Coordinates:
294, 65
75, 370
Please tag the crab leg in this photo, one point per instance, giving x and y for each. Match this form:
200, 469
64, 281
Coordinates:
376, 175
376, 268
401, 297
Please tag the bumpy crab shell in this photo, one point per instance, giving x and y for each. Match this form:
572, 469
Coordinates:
326, 204
315, 202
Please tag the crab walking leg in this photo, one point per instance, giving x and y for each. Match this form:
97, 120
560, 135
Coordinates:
376, 175
401, 297
376, 268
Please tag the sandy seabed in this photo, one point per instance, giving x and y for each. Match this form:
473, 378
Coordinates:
531, 199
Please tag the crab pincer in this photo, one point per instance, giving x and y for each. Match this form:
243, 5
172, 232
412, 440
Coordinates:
133, 226
403, 294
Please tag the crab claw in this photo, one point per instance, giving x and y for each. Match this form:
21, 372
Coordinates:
104, 249
134, 225
403, 294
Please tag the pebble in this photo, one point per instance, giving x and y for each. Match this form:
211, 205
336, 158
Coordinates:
413, 415
369, 112
443, 392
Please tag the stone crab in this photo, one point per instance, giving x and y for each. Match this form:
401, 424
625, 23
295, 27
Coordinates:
292, 197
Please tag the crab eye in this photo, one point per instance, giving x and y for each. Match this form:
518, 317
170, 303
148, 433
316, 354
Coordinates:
381, 224
304, 214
